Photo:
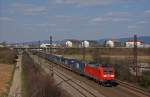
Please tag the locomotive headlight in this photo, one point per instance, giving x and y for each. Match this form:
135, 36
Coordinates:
111, 75
105, 75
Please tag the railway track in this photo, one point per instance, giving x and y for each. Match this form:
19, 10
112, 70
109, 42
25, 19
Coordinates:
134, 88
82, 89
78, 87
119, 90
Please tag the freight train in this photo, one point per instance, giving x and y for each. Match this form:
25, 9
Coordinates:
104, 74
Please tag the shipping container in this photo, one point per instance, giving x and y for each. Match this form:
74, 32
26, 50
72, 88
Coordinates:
78, 66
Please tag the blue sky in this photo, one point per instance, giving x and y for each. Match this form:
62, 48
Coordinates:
28, 20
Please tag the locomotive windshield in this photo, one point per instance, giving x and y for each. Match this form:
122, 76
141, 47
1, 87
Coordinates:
106, 65
108, 71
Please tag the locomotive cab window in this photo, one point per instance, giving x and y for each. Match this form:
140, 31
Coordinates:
108, 71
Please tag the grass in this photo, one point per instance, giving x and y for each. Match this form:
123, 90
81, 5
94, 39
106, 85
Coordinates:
105, 51
24, 85
10, 81
7, 56
7, 68
6, 77
89, 57
35, 81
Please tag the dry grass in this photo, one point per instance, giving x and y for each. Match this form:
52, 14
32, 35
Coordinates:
36, 83
7, 56
122, 57
105, 51
5, 77
119, 57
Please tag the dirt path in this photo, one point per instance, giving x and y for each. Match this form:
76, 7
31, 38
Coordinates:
15, 90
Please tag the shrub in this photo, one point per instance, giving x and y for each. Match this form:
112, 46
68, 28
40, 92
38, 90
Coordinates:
144, 80
38, 84
7, 56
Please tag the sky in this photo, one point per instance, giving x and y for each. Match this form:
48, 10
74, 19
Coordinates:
31, 20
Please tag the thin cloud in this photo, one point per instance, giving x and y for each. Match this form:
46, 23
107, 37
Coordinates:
88, 2
6, 19
30, 9
45, 25
84, 3
120, 19
41, 25
132, 27
100, 19
118, 14
147, 13
113, 17
110, 19
142, 22
67, 19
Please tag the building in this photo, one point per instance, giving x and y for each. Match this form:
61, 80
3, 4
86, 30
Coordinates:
110, 43
46, 45
146, 45
72, 43
69, 44
113, 43
85, 43
89, 43
130, 43
3, 44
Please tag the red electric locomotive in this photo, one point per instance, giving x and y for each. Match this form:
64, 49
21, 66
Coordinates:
103, 73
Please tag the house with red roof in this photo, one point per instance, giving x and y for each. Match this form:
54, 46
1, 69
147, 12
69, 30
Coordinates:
130, 43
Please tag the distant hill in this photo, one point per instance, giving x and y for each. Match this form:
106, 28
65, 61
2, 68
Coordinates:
146, 39
37, 42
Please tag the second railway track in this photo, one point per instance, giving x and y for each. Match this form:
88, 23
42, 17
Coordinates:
81, 89
120, 91
77, 85
136, 90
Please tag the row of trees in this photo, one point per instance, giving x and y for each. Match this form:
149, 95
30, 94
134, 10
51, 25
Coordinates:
36, 83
